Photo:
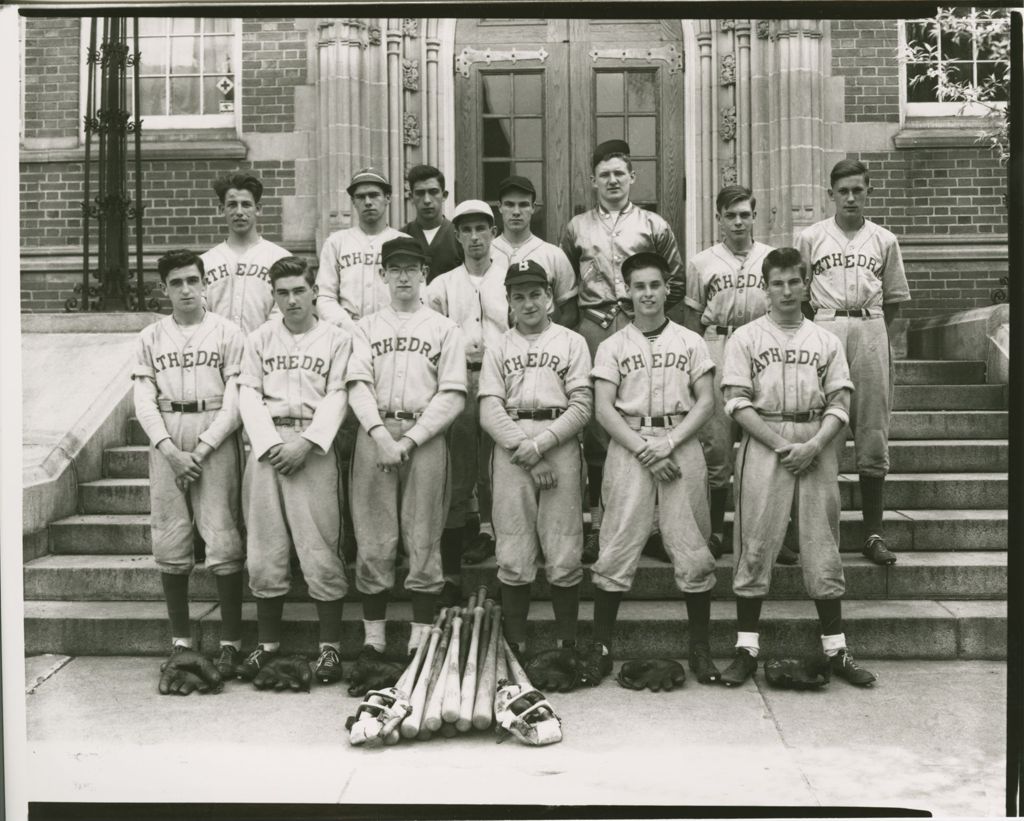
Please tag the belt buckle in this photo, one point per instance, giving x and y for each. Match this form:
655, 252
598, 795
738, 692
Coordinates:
513, 413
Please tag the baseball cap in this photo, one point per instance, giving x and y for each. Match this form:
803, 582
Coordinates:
472, 207
525, 272
369, 175
608, 147
404, 247
521, 183
645, 259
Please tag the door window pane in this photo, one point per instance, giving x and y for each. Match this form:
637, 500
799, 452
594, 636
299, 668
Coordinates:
497, 139
640, 91
154, 55
184, 95
642, 137
645, 189
534, 172
512, 143
494, 173
608, 88
216, 55
153, 96
608, 128
184, 55
529, 141
529, 98
497, 94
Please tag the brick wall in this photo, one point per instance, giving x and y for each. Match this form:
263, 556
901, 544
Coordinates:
273, 62
945, 286
865, 53
52, 64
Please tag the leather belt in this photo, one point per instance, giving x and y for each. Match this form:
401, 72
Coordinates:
604, 318
290, 421
537, 413
721, 330
474, 366
669, 421
195, 406
861, 312
406, 415
802, 416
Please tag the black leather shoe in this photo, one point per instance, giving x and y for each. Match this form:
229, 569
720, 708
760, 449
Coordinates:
876, 551
702, 666
743, 666
843, 665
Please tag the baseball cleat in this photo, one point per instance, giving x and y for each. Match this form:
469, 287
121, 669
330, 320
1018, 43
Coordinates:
843, 665
716, 545
702, 666
480, 550
743, 666
595, 663
254, 662
787, 557
227, 661
876, 551
328, 666
591, 547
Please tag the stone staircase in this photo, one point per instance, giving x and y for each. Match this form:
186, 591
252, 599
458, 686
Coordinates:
98, 593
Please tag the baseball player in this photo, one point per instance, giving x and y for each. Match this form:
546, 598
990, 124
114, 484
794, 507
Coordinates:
517, 199
652, 393
187, 403
596, 243
237, 285
407, 380
431, 229
292, 399
535, 398
349, 279
787, 384
473, 296
724, 290
857, 283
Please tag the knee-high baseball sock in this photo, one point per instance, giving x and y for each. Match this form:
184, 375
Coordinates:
594, 474
718, 495
229, 592
748, 614
423, 606
606, 611
268, 619
515, 609
330, 614
375, 605
176, 595
872, 503
698, 613
565, 601
451, 552
830, 616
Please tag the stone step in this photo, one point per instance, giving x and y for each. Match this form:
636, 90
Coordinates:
903, 629
939, 372
949, 425
114, 496
127, 462
102, 533
950, 397
962, 575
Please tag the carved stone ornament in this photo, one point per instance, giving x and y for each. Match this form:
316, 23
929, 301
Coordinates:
465, 58
374, 34
411, 27
410, 74
729, 174
728, 25
411, 130
728, 69
668, 54
762, 29
727, 129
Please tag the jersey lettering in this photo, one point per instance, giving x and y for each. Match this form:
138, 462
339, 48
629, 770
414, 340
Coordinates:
738, 281
659, 360
789, 356
292, 362
838, 260
533, 359
253, 269
188, 359
405, 344
356, 258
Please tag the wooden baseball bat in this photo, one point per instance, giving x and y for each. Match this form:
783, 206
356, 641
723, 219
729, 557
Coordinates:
438, 674
452, 693
483, 705
515, 669
501, 673
465, 719
404, 686
464, 645
411, 725
448, 730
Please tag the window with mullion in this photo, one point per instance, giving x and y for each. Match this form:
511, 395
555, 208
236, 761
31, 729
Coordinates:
625, 108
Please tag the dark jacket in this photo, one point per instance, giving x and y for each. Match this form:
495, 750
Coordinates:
445, 252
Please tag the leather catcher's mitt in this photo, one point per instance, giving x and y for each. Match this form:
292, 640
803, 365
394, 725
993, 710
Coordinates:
187, 671
372, 671
557, 670
653, 674
283, 673
795, 674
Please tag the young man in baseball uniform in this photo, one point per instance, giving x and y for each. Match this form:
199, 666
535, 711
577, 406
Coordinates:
431, 228
787, 384
407, 381
596, 243
292, 398
187, 403
535, 398
473, 296
653, 386
857, 283
237, 285
724, 290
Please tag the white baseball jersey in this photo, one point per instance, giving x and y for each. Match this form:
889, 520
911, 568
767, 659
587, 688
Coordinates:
477, 304
785, 370
238, 286
654, 377
187, 365
294, 373
863, 272
350, 276
550, 257
726, 289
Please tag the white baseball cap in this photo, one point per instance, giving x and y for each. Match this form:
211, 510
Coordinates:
473, 207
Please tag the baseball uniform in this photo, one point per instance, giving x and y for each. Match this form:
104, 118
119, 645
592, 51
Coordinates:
478, 305
533, 376
300, 380
654, 390
238, 285
184, 390
550, 257
349, 278
443, 248
850, 280
727, 291
782, 372
408, 361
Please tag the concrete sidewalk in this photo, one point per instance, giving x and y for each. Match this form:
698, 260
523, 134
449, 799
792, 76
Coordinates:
929, 735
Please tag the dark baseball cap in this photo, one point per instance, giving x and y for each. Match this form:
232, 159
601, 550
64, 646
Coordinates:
525, 272
402, 247
521, 183
645, 259
608, 147
371, 175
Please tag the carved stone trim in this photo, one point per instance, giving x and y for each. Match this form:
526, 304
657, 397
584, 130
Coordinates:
727, 128
373, 32
668, 54
410, 74
762, 29
728, 69
411, 130
728, 25
728, 174
468, 56
411, 27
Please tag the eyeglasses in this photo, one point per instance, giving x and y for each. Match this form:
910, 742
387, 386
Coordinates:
409, 272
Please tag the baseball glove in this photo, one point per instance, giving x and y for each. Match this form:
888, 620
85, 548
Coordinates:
653, 674
557, 670
372, 672
187, 671
283, 673
795, 674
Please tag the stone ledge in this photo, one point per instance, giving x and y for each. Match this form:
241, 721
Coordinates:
222, 149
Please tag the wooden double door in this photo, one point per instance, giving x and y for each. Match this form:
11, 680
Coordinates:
534, 97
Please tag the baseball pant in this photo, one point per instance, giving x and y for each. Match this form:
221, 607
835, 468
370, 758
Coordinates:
630, 493
719, 432
213, 502
301, 509
873, 374
767, 496
470, 451
529, 523
595, 438
409, 502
